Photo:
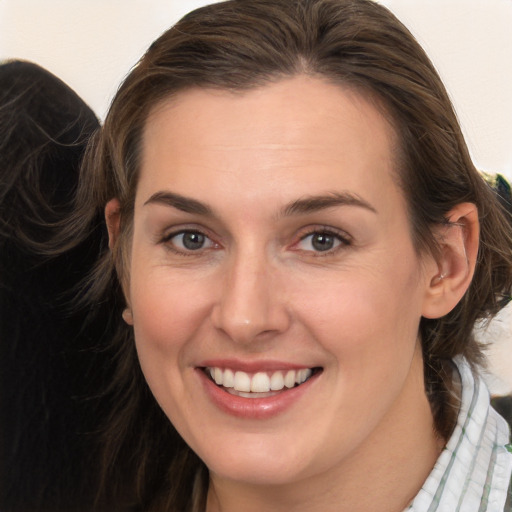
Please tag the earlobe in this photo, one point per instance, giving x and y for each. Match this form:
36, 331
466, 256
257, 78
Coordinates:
127, 315
458, 240
113, 220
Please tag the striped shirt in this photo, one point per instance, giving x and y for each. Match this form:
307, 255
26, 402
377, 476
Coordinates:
473, 472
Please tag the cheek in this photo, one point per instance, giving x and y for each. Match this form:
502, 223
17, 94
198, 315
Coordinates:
167, 316
168, 311
371, 337
364, 318
166, 301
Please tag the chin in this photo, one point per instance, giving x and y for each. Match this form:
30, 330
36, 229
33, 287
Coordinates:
260, 464
256, 473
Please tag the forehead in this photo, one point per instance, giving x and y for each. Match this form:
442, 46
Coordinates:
298, 134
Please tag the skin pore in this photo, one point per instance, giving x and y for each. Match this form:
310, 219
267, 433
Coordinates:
270, 234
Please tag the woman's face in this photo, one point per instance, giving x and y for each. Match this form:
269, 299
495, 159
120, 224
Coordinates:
271, 250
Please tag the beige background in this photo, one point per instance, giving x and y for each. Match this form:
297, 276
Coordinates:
91, 45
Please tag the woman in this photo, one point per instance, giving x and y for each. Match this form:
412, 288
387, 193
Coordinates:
302, 248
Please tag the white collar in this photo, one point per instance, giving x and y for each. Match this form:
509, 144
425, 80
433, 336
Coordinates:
473, 472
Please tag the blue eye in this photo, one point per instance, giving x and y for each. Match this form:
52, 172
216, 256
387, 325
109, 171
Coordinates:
321, 242
190, 241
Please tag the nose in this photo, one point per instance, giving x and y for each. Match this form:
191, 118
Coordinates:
250, 305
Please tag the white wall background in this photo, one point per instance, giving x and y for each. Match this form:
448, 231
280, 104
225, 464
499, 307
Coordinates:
92, 44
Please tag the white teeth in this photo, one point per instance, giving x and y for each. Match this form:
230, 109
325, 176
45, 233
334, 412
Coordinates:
217, 376
276, 381
260, 382
303, 375
289, 379
229, 379
242, 381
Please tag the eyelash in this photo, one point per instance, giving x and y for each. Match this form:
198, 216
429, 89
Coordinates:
344, 241
166, 241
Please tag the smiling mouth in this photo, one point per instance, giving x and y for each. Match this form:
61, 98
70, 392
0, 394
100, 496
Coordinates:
259, 384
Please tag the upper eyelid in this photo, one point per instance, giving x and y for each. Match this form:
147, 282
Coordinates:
167, 235
342, 234
171, 231
173, 234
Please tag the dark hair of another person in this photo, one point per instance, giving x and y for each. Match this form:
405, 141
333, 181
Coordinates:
240, 45
47, 362
503, 404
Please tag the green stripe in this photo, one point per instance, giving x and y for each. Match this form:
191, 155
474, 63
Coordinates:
487, 486
473, 464
442, 483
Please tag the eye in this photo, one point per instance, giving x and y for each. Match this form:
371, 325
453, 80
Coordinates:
321, 241
189, 241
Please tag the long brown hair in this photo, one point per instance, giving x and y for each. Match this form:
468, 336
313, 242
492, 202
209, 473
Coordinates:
243, 44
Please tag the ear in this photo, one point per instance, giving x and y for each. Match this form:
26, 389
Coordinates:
451, 275
113, 220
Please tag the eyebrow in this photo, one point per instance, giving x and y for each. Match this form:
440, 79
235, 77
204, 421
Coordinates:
300, 206
310, 204
185, 204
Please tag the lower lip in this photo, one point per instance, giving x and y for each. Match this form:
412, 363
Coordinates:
254, 408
